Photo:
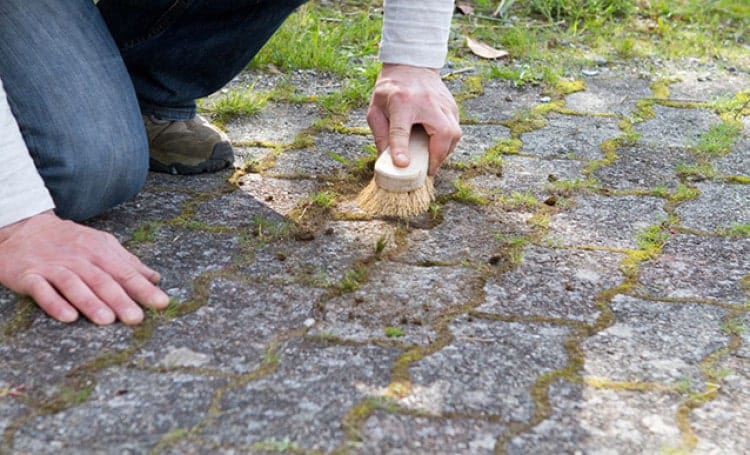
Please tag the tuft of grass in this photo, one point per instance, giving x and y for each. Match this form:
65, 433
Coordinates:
147, 232
719, 140
465, 194
652, 239
237, 103
342, 40
394, 332
324, 199
740, 229
352, 279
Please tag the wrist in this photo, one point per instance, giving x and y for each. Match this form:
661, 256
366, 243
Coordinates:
7, 231
390, 67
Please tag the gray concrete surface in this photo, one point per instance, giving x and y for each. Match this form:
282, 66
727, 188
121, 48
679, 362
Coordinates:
544, 320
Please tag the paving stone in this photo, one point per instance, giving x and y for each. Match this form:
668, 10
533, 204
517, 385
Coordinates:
720, 424
181, 256
553, 283
719, 207
357, 119
305, 82
744, 350
487, 369
655, 342
460, 238
693, 267
277, 123
706, 86
280, 195
237, 209
738, 161
402, 434
232, 331
676, 127
501, 101
248, 155
603, 422
571, 137
305, 399
325, 260
57, 349
409, 297
325, 159
125, 219
644, 167
476, 140
128, 412
528, 176
605, 221
190, 184
609, 94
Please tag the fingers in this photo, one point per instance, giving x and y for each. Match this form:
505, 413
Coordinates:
443, 141
398, 138
378, 122
80, 295
47, 298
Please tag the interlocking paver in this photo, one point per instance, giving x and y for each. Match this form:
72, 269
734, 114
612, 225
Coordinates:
615, 93
487, 369
555, 284
571, 136
606, 221
693, 267
719, 207
645, 167
655, 342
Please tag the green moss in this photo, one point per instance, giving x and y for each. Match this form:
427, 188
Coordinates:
684, 193
566, 87
147, 232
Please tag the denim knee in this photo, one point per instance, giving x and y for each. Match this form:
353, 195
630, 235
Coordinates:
105, 172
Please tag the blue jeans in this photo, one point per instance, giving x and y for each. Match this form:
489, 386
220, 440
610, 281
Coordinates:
78, 77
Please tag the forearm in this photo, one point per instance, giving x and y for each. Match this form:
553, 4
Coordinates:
22, 191
416, 33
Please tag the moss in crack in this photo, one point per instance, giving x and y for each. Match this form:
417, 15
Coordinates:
718, 140
24, 314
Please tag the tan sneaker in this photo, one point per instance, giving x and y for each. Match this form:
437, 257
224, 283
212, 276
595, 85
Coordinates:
186, 147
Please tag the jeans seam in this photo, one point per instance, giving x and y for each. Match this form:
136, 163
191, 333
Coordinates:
165, 21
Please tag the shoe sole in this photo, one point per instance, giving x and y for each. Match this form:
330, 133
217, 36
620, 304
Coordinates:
221, 157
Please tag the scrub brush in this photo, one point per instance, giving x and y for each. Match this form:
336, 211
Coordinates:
401, 191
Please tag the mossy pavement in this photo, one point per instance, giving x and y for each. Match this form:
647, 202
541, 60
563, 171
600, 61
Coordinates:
581, 284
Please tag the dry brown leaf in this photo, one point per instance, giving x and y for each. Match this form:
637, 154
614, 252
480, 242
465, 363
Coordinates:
465, 9
485, 51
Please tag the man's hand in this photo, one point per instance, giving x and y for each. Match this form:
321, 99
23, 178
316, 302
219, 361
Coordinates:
406, 95
66, 267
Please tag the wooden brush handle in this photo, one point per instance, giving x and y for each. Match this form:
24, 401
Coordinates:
411, 177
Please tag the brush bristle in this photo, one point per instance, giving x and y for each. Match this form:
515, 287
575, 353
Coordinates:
377, 201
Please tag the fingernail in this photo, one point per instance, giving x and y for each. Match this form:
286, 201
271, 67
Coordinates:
159, 300
402, 158
133, 315
104, 316
68, 315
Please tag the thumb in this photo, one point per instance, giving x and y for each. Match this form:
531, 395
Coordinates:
398, 141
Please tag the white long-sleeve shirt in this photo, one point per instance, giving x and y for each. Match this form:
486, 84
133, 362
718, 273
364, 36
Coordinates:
414, 33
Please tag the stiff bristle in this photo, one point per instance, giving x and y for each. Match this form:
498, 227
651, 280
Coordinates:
377, 201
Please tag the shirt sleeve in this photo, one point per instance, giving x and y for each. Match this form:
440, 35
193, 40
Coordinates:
416, 32
22, 190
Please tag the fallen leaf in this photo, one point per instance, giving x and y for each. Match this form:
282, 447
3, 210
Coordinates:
483, 50
465, 9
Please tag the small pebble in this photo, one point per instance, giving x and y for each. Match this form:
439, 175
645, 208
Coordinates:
309, 322
588, 72
545, 99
